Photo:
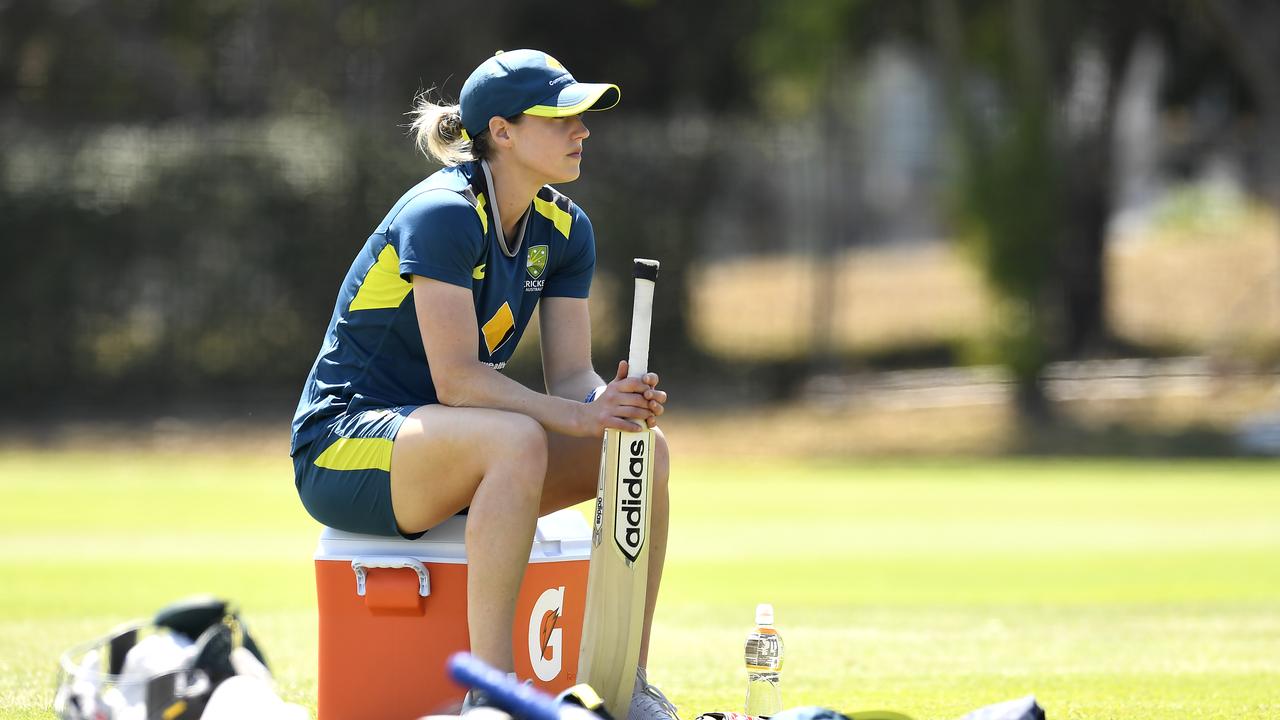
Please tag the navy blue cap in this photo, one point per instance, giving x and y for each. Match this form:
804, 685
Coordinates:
530, 82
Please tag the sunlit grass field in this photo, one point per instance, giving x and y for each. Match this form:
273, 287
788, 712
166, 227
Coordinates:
1109, 589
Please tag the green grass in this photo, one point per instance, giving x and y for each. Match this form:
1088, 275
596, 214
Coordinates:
1108, 589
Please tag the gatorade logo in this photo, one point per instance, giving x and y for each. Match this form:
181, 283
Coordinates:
629, 513
546, 639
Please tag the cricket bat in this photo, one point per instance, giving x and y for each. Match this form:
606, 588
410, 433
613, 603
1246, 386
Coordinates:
619, 574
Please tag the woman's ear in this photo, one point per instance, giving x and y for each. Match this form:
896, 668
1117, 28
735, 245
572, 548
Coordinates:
499, 131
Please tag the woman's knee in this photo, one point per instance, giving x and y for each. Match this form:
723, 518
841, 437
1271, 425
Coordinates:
520, 444
661, 460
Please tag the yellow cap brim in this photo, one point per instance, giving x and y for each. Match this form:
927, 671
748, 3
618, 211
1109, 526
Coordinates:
596, 96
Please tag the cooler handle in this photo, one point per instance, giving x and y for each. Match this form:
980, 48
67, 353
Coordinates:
360, 565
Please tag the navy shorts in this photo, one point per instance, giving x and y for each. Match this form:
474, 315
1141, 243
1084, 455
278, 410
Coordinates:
344, 477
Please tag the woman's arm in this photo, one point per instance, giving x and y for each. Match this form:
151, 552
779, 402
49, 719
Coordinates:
447, 321
566, 355
565, 329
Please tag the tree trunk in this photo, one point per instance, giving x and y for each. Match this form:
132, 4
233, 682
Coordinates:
1087, 209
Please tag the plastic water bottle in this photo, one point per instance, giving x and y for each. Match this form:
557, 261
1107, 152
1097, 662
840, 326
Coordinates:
764, 663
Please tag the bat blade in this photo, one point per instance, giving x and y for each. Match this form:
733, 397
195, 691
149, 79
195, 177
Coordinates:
613, 622
616, 586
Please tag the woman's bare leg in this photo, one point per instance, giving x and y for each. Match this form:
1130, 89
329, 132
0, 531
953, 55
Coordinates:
572, 473
510, 472
447, 458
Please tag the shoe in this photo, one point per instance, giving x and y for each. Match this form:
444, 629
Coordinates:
476, 699
476, 706
648, 702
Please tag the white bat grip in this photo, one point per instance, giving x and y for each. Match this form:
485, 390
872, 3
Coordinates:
641, 317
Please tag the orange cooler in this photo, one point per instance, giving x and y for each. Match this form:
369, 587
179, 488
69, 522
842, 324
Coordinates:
392, 611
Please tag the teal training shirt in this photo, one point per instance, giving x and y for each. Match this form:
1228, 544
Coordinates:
443, 228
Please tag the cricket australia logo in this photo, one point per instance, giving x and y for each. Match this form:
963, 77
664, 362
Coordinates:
630, 509
537, 262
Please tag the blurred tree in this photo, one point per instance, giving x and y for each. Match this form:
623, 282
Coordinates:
1249, 34
186, 115
1031, 93
1010, 180
1033, 89
271, 133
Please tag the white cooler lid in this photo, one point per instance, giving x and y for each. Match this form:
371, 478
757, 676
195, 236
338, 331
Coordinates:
562, 535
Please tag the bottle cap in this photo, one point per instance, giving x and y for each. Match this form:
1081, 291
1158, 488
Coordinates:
764, 614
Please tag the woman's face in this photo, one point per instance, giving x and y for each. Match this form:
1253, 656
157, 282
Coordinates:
549, 147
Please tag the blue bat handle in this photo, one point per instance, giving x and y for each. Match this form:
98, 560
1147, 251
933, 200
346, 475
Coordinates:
519, 700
